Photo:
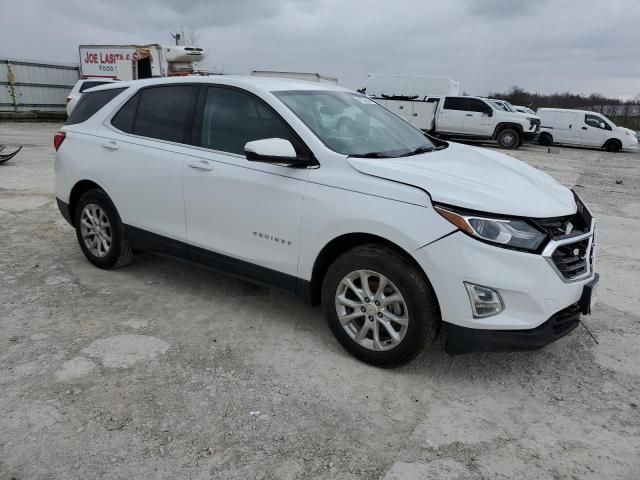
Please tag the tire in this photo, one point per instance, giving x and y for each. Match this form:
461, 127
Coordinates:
417, 307
545, 140
509, 138
613, 145
96, 204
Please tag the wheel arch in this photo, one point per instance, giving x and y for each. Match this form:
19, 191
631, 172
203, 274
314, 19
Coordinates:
343, 243
611, 141
78, 189
504, 125
545, 134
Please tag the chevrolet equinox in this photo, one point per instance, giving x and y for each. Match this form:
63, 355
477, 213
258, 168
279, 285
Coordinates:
321, 191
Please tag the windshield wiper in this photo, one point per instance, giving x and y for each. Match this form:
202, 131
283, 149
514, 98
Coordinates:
371, 155
419, 150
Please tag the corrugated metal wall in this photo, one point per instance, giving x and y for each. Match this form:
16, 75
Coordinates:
27, 86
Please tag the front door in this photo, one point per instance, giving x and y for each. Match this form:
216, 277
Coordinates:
476, 120
240, 213
593, 131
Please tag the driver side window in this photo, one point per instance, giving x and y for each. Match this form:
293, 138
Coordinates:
596, 122
232, 118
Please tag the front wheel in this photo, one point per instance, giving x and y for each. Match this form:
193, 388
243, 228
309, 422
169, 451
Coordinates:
100, 231
613, 146
509, 138
379, 306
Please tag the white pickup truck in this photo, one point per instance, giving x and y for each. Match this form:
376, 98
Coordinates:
463, 117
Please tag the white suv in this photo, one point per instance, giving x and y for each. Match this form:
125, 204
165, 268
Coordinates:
394, 232
80, 87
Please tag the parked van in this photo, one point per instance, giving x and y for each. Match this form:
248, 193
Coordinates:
583, 128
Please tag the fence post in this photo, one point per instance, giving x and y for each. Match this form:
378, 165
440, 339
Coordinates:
11, 80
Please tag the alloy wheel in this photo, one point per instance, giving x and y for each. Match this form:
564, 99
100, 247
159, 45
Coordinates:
372, 310
96, 230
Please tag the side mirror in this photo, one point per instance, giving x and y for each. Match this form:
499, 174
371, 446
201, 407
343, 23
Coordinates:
603, 125
272, 150
489, 112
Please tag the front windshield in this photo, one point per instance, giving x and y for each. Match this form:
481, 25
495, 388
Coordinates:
509, 106
499, 105
354, 125
607, 119
504, 106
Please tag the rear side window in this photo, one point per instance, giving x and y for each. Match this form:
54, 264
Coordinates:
162, 112
232, 118
123, 120
90, 103
455, 103
88, 85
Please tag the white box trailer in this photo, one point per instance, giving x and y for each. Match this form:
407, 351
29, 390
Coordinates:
310, 77
130, 62
413, 87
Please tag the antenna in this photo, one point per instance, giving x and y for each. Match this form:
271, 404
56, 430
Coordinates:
176, 36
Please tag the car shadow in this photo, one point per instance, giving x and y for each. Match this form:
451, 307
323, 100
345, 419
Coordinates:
206, 284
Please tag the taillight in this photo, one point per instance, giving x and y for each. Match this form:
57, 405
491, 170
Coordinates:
58, 139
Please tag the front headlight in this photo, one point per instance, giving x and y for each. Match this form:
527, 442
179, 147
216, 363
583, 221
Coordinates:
504, 232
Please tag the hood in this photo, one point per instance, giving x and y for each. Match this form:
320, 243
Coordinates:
518, 115
477, 179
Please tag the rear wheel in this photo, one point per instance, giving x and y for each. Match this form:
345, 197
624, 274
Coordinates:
379, 306
613, 145
545, 140
100, 231
509, 138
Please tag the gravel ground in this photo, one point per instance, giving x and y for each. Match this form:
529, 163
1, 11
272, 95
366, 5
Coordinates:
166, 370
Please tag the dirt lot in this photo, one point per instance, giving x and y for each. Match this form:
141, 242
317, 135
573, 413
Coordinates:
166, 370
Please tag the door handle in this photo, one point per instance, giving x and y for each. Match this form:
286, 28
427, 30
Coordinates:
469, 114
112, 145
584, 128
201, 165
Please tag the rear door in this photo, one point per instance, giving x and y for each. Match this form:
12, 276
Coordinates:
566, 128
143, 151
451, 116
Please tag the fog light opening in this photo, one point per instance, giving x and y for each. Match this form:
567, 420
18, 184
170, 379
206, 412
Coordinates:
485, 301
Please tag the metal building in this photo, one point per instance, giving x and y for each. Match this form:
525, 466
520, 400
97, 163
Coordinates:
27, 86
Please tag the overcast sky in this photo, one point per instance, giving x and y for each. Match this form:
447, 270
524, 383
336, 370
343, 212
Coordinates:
542, 45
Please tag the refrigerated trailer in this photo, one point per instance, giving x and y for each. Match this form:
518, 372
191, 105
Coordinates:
131, 62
